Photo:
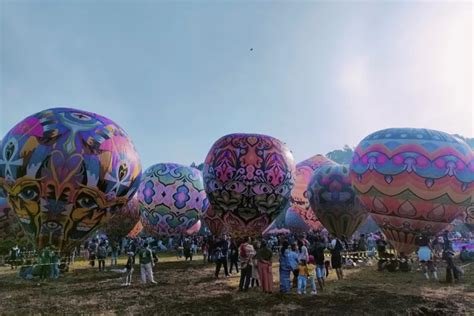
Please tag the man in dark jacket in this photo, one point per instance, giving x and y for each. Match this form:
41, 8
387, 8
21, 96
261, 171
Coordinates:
220, 254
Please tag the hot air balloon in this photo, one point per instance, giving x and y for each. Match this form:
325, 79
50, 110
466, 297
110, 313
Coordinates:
124, 221
413, 181
331, 195
136, 230
278, 226
248, 179
66, 172
299, 197
171, 198
296, 223
194, 229
214, 223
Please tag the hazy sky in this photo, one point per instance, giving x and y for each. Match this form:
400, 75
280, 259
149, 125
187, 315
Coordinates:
178, 75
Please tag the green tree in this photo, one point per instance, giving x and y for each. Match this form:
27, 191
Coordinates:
342, 156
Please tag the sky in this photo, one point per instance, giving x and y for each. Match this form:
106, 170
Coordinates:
178, 75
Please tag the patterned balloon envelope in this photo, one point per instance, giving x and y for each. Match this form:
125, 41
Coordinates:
413, 181
214, 223
296, 223
278, 226
248, 179
299, 195
194, 229
171, 198
9, 226
136, 230
123, 221
66, 172
334, 200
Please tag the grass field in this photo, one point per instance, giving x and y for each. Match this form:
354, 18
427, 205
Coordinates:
189, 288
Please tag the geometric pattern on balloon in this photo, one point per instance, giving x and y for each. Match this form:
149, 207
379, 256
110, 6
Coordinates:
414, 174
248, 179
67, 172
123, 221
299, 194
334, 200
171, 199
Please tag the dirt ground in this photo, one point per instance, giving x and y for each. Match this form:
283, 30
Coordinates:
189, 288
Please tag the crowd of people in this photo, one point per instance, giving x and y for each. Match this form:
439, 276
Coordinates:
304, 260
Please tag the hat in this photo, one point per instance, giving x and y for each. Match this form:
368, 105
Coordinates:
130, 253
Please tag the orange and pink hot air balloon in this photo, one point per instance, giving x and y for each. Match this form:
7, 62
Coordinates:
300, 206
413, 181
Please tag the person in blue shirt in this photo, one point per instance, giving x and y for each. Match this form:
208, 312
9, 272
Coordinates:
285, 268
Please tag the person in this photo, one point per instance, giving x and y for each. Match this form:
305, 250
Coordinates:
312, 275
336, 258
255, 280
246, 254
234, 256
220, 253
114, 253
317, 251
452, 271
55, 265
146, 264
264, 264
14, 257
425, 256
362, 244
44, 262
371, 245
187, 251
294, 255
405, 264
101, 255
381, 246
92, 247
302, 277
205, 251
285, 268
129, 269
446, 242
302, 251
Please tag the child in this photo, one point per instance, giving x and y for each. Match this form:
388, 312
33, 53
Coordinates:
129, 269
425, 256
302, 276
312, 274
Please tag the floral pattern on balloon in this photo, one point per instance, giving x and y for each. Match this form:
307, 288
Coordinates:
66, 172
337, 207
413, 181
171, 198
248, 179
